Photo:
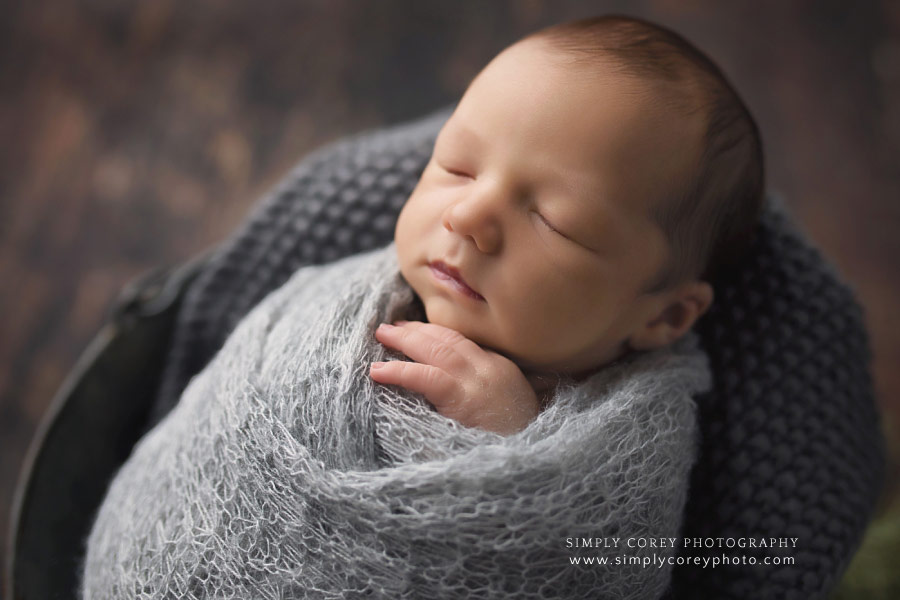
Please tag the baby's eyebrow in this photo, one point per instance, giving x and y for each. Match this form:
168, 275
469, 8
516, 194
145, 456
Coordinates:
577, 185
458, 132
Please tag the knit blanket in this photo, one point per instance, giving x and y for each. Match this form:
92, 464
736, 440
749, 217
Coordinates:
286, 472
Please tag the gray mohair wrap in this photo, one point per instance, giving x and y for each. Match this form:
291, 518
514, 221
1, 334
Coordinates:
286, 472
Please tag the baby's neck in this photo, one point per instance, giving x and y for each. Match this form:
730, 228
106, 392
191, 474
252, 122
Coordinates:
545, 383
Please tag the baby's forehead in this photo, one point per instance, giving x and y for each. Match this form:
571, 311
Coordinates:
587, 124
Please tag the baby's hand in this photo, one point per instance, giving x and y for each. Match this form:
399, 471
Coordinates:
463, 381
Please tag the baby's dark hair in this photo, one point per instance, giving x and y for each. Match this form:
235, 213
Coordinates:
709, 220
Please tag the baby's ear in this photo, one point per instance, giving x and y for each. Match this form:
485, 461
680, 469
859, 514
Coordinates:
673, 315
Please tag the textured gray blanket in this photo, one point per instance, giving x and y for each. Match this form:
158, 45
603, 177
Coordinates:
286, 472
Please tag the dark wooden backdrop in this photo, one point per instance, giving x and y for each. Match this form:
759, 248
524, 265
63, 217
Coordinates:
138, 134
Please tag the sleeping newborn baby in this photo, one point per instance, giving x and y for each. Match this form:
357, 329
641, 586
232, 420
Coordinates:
583, 186
533, 373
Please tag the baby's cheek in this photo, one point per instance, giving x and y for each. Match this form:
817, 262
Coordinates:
524, 336
546, 330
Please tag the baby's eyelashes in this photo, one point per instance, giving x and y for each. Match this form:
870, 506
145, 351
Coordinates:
458, 172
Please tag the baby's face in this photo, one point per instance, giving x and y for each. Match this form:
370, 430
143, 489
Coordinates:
537, 196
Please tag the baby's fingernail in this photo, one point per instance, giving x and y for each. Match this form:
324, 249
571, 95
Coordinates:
376, 365
385, 326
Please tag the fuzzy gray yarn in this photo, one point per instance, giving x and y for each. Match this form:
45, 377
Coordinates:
286, 472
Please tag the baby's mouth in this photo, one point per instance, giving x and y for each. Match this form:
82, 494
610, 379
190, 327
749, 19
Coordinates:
452, 277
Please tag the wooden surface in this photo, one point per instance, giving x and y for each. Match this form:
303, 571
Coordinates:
138, 134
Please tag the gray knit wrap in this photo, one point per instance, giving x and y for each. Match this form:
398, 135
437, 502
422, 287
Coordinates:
790, 434
286, 472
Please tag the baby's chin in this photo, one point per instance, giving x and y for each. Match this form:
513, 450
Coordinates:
438, 313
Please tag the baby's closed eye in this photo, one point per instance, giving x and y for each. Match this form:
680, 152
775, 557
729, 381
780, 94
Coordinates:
457, 171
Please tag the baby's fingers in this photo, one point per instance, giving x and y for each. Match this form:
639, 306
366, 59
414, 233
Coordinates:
436, 385
412, 341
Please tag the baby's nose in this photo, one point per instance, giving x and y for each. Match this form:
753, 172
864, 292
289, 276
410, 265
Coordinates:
478, 217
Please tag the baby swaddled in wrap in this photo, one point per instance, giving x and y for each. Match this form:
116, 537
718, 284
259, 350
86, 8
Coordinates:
543, 280
285, 472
